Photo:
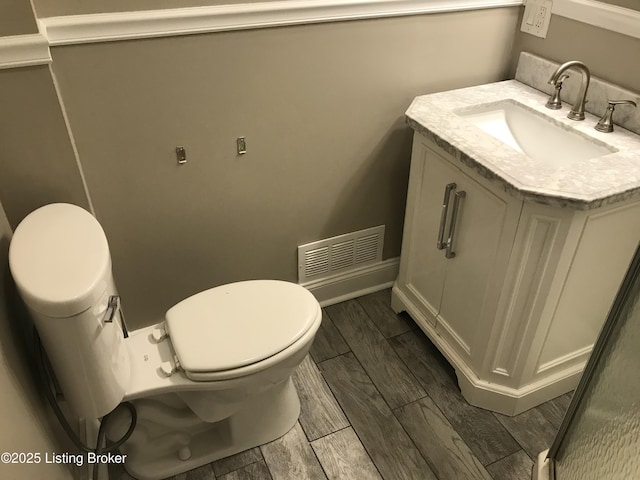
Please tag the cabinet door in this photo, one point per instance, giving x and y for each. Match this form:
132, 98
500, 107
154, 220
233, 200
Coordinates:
423, 269
485, 230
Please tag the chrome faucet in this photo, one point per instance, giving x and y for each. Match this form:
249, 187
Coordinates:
577, 112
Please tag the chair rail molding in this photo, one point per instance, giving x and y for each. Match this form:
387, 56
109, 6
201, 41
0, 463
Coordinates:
599, 14
106, 27
24, 51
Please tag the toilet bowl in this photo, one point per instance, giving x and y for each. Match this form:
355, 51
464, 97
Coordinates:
213, 378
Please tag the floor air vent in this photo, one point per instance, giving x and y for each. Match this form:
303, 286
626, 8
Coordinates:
339, 254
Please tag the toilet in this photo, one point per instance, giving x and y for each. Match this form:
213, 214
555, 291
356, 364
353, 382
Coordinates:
213, 378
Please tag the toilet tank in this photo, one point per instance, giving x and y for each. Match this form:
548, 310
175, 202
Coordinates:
60, 261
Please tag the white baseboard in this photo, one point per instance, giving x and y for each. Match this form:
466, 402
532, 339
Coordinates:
512, 401
345, 286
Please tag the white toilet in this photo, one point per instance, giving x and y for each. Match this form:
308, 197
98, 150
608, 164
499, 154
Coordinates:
210, 380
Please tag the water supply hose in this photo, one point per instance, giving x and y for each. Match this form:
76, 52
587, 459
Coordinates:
45, 377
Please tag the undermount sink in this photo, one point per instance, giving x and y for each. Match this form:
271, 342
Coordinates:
539, 137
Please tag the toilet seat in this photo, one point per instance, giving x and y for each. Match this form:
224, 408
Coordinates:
238, 324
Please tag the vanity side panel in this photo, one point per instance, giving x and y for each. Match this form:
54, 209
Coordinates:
541, 238
607, 242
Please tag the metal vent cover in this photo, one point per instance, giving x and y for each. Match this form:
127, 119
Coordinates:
323, 258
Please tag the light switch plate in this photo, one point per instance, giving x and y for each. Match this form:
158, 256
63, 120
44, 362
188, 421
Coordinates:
536, 18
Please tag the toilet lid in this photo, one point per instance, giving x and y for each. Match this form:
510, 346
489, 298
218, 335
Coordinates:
238, 324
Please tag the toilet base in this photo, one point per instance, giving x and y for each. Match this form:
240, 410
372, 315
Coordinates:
262, 419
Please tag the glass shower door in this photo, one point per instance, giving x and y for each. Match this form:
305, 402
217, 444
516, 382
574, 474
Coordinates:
600, 436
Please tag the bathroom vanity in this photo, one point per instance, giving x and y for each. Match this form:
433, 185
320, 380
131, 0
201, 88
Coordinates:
512, 253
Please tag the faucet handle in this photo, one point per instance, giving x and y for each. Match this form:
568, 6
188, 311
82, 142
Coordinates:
554, 102
622, 102
606, 122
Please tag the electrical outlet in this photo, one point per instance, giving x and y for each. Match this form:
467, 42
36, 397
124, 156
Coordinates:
536, 18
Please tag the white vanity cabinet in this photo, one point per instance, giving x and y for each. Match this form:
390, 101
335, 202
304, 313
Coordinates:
517, 294
452, 285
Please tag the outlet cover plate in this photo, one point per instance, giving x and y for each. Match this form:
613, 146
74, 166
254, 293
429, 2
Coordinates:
536, 18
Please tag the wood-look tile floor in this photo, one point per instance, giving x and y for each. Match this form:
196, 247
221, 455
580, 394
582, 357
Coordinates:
380, 402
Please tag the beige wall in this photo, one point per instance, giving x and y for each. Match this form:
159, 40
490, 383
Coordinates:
16, 18
32, 172
632, 4
321, 107
26, 424
608, 54
37, 160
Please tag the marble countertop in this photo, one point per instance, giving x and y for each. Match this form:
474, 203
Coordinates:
580, 185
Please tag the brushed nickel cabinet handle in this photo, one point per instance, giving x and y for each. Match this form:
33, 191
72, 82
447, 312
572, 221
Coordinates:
452, 226
443, 216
